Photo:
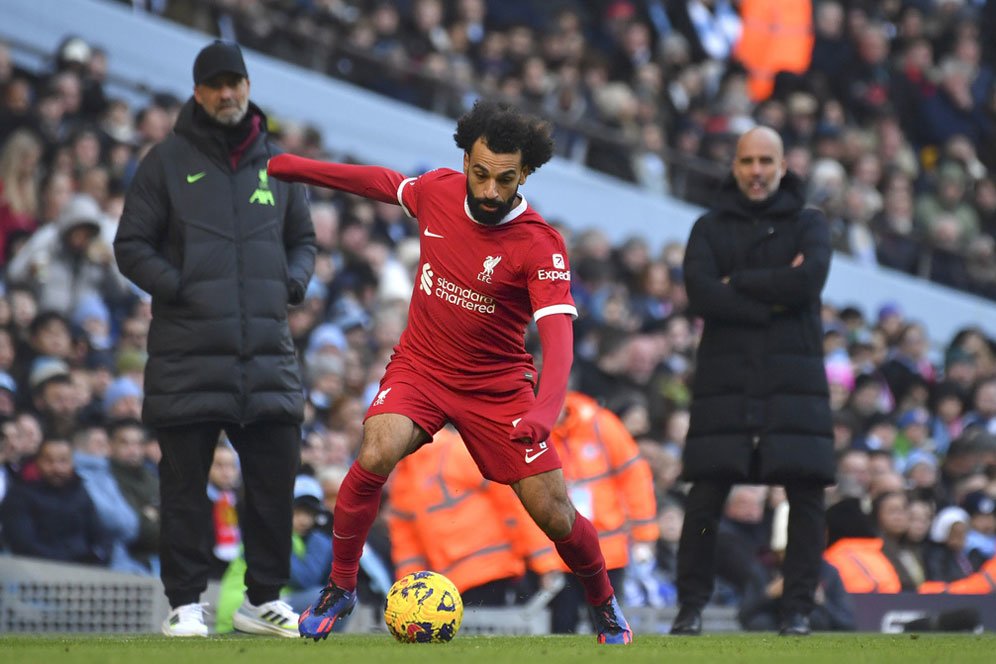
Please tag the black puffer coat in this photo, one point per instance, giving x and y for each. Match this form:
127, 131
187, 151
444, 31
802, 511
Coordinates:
222, 252
760, 410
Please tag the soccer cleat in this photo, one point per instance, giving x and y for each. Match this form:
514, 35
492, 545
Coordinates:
333, 603
186, 620
274, 618
610, 624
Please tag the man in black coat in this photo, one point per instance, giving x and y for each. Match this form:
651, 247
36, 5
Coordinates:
754, 268
223, 250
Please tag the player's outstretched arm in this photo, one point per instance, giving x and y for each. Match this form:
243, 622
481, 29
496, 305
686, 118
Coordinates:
556, 334
376, 182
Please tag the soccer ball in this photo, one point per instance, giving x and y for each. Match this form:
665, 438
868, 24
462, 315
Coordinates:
423, 607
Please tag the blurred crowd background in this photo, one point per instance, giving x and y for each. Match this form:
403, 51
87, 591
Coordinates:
887, 110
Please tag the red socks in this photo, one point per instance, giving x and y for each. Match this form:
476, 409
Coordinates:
355, 511
583, 555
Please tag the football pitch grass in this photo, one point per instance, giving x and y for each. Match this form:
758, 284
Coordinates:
376, 649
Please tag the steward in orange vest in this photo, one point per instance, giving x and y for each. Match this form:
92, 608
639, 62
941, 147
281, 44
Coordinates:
982, 582
863, 566
609, 483
777, 36
607, 479
444, 516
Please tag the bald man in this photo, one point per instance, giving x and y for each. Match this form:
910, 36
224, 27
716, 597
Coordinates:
754, 268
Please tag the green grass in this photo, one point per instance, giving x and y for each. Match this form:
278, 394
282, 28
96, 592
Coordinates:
374, 649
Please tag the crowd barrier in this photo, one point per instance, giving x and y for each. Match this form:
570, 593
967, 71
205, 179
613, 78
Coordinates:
38, 597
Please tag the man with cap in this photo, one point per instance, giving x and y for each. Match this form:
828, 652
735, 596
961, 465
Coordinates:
223, 250
980, 542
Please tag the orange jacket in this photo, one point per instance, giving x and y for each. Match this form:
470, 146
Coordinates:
982, 582
777, 36
444, 516
607, 479
862, 565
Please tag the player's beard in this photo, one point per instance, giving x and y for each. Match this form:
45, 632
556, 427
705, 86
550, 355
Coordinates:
489, 217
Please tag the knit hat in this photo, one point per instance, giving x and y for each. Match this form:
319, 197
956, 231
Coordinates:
46, 369
913, 416
308, 493
118, 390
945, 519
219, 57
978, 502
91, 306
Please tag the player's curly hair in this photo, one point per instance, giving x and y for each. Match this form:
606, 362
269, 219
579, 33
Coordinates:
505, 129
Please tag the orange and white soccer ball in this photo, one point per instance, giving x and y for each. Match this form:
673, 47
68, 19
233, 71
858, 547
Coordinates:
423, 607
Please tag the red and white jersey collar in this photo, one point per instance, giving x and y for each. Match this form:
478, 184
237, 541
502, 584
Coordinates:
512, 214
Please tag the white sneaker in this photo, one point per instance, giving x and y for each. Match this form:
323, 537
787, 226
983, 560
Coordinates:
186, 620
274, 618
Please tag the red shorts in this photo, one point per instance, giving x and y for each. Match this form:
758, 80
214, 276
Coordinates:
484, 421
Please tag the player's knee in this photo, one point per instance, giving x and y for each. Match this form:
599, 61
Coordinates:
556, 518
377, 457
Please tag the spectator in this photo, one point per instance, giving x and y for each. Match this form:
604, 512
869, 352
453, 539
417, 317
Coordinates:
222, 490
119, 522
53, 517
980, 541
891, 513
945, 558
54, 396
139, 487
20, 157
69, 260
311, 557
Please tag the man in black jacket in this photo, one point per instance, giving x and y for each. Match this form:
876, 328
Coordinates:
754, 268
223, 251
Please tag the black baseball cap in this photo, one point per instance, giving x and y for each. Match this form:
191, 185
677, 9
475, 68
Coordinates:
219, 57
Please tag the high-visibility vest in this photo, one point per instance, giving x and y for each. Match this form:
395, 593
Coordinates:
862, 566
777, 36
982, 582
444, 516
607, 479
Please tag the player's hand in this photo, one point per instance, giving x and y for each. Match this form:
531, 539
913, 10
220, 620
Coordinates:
797, 261
530, 431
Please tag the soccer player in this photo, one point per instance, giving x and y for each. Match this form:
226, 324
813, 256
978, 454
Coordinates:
489, 263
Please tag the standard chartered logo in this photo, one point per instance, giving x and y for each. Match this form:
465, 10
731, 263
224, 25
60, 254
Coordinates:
425, 282
444, 289
465, 298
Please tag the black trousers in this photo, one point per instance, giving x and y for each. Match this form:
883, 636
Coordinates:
269, 456
697, 549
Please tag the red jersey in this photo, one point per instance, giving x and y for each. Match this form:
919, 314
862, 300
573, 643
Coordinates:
477, 286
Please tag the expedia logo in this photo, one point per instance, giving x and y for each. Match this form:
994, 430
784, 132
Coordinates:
554, 275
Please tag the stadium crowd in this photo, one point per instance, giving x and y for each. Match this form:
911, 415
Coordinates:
887, 109
915, 417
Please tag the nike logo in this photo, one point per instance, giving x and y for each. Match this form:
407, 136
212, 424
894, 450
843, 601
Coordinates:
532, 457
429, 233
194, 177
